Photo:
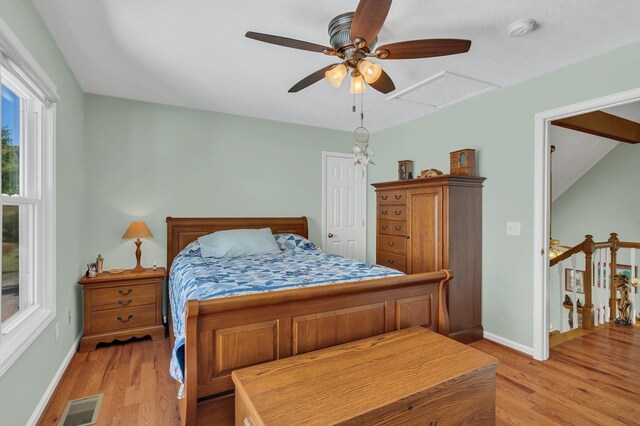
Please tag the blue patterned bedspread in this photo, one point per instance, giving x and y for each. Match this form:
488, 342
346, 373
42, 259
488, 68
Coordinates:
202, 278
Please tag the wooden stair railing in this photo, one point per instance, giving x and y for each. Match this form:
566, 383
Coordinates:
588, 247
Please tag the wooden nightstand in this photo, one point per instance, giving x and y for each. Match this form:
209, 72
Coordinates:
122, 306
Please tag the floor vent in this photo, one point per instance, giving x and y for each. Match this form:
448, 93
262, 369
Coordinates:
81, 412
443, 89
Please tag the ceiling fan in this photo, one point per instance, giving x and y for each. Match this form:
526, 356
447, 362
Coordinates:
353, 37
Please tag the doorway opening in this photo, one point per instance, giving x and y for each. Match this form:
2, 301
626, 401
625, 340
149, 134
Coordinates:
583, 274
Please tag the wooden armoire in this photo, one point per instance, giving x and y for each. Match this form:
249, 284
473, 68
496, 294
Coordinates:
424, 225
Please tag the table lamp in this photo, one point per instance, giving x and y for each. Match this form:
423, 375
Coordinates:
138, 230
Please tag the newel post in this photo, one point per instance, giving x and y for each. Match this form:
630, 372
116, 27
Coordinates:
613, 240
587, 308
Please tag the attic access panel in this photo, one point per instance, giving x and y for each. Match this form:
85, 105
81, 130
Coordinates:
444, 89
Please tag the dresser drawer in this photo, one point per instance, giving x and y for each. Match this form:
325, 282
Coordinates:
391, 197
390, 260
392, 227
391, 212
120, 319
123, 296
391, 244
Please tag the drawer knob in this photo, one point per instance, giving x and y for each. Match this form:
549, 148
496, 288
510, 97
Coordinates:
410, 407
398, 197
127, 293
398, 212
398, 227
384, 197
383, 211
406, 236
119, 318
391, 261
391, 243
123, 303
384, 226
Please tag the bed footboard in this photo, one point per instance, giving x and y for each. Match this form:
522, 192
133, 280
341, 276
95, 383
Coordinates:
226, 334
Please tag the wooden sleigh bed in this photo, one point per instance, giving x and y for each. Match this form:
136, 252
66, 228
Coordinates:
230, 333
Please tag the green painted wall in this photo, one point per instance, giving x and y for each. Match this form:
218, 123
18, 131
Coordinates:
500, 125
604, 200
23, 385
147, 161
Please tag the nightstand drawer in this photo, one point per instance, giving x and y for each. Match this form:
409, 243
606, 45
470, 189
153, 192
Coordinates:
119, 319
123, 296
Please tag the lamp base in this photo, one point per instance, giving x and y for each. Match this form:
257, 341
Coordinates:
138, 267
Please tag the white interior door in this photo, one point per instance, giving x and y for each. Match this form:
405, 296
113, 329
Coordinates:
344, 222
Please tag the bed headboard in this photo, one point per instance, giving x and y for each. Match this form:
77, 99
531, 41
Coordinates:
183, 230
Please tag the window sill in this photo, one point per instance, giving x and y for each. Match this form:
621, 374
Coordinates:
22, 334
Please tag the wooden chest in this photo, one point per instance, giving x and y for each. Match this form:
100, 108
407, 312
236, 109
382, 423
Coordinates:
121, 306
409, 377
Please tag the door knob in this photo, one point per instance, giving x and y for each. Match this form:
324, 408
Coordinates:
330, 235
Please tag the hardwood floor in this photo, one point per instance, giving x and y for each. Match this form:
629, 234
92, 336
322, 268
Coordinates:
134, 379
593, 379
559, 338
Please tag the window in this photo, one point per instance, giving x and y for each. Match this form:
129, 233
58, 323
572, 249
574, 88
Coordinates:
27, 270
20, 200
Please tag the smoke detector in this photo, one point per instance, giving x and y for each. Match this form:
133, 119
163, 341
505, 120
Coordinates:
521, 27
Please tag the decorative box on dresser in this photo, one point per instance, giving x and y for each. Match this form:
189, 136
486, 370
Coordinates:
122, 306
428, 224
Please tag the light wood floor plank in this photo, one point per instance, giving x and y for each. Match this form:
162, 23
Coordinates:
592, 379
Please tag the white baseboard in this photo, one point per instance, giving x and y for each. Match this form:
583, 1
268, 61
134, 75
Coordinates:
54, 383
508, 343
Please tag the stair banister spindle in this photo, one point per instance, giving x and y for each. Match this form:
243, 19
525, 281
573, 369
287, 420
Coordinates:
633, 289
587, 308
594, 288
575, 294
613, 240
599, 271
607, 285
561, 326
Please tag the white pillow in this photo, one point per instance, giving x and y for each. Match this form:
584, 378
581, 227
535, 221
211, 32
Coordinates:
238, 242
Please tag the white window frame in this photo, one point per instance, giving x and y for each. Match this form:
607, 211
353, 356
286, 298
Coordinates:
26, 76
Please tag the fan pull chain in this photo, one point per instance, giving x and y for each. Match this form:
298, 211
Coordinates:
353, 108
362, 109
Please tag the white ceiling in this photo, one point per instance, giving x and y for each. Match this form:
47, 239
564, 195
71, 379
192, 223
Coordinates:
194, 53
577, 152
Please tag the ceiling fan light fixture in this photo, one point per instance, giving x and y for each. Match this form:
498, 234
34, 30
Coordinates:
370, 71
357, 84
335, 75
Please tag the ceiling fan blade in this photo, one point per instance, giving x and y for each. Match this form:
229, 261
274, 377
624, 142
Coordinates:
287, 42
384, 83
368, 19
414, 49
310, 79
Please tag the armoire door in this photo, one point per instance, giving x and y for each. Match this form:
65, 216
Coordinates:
425, 223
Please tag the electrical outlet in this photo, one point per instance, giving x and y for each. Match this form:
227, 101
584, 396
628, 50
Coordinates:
69, 318
57, 332
513, 229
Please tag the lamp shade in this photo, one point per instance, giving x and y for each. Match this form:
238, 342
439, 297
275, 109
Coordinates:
357, 85
137, 230
335, 75
370, 71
